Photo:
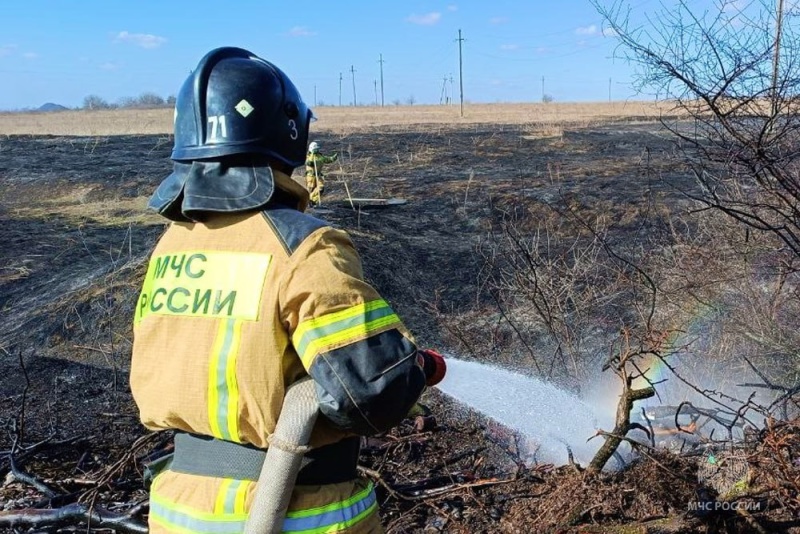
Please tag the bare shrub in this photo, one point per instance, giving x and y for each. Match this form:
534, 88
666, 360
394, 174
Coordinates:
735, 70
577, 293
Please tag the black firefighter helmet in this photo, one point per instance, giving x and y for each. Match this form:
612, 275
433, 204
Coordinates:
237, 116
234, 102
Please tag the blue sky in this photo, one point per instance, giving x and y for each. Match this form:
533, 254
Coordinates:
61, 51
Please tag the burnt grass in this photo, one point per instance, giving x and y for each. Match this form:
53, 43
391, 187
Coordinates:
71, 264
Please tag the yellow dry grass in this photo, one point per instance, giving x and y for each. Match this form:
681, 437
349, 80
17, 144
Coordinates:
344, 119
76, 205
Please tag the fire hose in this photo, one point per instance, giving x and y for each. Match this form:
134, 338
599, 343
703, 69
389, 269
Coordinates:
284, 458
289, 443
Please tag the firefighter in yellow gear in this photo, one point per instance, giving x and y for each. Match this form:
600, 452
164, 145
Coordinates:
244, 295
315, 177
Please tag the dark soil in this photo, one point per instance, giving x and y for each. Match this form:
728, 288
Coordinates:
69, 278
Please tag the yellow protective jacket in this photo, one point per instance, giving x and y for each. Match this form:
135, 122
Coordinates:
315, 162
232, 311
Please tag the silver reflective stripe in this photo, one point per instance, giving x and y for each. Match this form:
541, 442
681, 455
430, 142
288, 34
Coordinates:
181, 519
333, 517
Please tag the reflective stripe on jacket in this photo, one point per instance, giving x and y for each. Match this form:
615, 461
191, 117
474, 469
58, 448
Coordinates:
188, 505
234, 310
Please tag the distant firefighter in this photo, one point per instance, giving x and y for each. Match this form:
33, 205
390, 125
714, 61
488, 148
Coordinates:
315, 178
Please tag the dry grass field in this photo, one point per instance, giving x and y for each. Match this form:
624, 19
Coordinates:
341, 119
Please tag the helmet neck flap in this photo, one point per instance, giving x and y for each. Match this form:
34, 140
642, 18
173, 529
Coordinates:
229, 185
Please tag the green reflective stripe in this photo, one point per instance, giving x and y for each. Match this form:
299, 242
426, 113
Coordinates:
333, 517
326, 519
223, 388
353, 324
334, 505
336, 527
186, 520
349, 335
352, 311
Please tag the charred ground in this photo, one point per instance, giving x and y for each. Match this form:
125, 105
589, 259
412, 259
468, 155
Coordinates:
75, 238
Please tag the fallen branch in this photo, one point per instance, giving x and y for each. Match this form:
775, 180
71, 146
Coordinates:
71, 514
456, 457
444, 490
115, 469
750, 520
45, 444
30, 480
432, 492
24, 477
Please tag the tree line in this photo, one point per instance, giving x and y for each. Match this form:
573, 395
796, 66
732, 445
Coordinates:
143, 101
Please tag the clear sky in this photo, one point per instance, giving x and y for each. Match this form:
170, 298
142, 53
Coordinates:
513, 51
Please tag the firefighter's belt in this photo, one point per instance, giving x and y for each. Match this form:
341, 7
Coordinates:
210, 457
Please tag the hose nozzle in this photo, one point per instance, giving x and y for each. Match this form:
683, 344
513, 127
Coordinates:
433, 365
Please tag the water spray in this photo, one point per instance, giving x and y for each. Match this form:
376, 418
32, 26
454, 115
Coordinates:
553, 420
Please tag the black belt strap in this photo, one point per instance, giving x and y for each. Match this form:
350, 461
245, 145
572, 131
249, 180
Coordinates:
207, 456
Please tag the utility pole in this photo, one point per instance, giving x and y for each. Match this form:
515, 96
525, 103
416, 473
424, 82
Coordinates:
375, 82
315, 94
609, 89
353, 74
443, 96
776, 58
381, 62
340, 89
460, 72
542, 88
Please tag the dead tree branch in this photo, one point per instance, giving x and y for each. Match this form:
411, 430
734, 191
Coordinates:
430, 493
74, 514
